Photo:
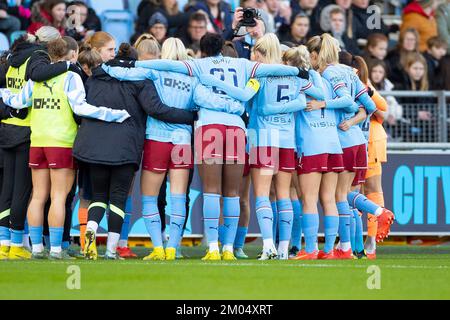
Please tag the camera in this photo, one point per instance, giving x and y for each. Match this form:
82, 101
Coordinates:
249, 17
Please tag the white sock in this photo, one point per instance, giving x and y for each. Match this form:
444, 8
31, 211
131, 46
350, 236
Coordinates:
26, 241
5, 243
378, 212
371, 245
227, 247
164, 236
56, 249
345, 246
123, 243
16, 245
38, 248
113, 240
283, 246
92, 225
267, 244
213, 246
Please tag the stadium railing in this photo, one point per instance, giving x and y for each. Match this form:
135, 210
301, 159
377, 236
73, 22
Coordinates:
425, 117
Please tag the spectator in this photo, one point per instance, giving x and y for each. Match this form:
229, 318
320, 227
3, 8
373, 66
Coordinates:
83, 21
245, 44
312, 10
394, 114
158, 27
415, 68
443, 22
376, 48
332, 20
16, 10
298, 30
219, 15
437, 49
408, 42
361, 21
48, 13
279, 13
8, 24
169, 8
195, 30
419, 15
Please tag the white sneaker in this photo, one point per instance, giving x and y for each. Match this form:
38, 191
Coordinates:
270, 254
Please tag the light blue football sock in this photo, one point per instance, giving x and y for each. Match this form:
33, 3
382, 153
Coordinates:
296, 237
273, 204
152, 219
17, 238
177, 219
36, 235
264, 215
344, 222
221, 233
241, 234
359, 240
285, 219
126, 220
5, 234
231, 214
65, 245
360, 202
211, 214
331, 225
310, 226
56, 235
352, 231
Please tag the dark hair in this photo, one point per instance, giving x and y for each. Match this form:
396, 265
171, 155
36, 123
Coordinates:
197, 17
298, 16
211, 44
78, 3
437, 42
356, 62
127, 52
229, 50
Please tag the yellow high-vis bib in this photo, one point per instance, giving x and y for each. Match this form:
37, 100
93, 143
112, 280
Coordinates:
52, 122
15, 81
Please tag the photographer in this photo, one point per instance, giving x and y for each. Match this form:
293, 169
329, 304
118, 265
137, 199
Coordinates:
254, 26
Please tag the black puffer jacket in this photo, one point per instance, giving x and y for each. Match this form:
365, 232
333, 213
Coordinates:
100, 142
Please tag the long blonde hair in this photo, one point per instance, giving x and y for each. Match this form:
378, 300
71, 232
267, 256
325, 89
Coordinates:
147, 44
269, 47
174, 49
327, 50
298, 57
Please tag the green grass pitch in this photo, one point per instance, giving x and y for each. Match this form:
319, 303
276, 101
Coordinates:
406, 272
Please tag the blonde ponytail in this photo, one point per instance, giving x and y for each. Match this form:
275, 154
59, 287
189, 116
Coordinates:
147, 44
269, 47
327, 50
174, 49
297, 57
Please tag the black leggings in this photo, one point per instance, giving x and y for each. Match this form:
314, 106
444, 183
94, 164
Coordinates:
162, 203
16, 186
110, 185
